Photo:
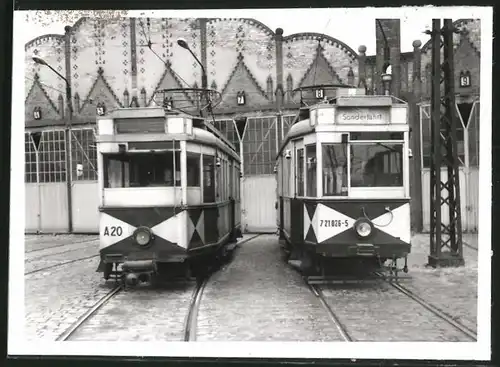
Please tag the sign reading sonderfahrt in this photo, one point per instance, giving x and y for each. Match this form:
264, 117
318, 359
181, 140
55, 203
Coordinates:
362, 116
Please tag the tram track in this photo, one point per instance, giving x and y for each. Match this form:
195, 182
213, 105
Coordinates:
59, 264
470, 246
335, 319
194, 307
60, 245
342, 327
190, 324
66, 335
63, 252
433, 309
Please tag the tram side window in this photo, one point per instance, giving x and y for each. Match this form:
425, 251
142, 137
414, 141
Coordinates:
116, 172
376, 165
208, 179
311, 170
193, 169
141, 170
287, 172
300, 172
231, 179
334, 169
236, 181
222, 182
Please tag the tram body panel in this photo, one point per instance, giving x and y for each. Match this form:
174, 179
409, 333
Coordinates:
176, 232
327, 227
343, 174
166, 198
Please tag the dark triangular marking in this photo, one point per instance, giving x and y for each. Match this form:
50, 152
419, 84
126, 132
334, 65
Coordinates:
465, 110
349, 236
195, 215
311, 236
311, 209
148, 217
240, 125
372, 209
128, 246
36, 138
195, 240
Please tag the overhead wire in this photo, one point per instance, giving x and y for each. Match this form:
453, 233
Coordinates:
150, 46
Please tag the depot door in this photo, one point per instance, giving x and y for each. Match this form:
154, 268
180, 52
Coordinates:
259, 196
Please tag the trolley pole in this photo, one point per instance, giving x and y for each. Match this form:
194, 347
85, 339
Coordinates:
67, 138
445, 239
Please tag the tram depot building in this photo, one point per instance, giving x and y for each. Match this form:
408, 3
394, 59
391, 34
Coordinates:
109, 65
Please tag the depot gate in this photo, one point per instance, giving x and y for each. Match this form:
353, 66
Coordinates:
257, 140
468, 154
46, 203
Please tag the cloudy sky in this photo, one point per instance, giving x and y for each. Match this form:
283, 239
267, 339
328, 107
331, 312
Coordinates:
355, 27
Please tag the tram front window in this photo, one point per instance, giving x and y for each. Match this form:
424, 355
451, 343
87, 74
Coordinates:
141, 170
334, 169
376, 165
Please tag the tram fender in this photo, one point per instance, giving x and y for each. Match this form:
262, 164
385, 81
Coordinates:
101, 267
138, 265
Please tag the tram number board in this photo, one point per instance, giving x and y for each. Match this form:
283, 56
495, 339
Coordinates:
363, 115
333, 223
113, 231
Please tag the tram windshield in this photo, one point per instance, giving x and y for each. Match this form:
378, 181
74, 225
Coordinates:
141, 169
376, 164
372, 164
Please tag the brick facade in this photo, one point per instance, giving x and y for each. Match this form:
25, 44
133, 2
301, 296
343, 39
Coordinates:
110, 62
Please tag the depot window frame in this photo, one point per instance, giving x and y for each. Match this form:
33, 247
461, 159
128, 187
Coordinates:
462, 132
52, 155
83, 151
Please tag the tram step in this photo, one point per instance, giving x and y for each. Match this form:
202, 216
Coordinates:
295, 263
232, 246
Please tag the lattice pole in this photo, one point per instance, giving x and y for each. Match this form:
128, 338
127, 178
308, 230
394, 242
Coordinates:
446, 239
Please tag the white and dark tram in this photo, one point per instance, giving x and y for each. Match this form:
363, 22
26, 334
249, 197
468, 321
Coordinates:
169, 187
343, 197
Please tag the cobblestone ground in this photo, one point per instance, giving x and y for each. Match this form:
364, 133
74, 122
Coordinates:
257, 297
56, 250
140, 315
36, 243
453, 290
35, 263
57, 297
378, 312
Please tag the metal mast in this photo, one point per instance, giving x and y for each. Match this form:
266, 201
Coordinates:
446, 238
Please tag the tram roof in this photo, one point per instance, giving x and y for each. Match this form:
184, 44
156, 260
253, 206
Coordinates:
148, 112
303, 127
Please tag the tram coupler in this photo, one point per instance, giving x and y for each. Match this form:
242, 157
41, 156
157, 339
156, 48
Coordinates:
138, 271
405, 268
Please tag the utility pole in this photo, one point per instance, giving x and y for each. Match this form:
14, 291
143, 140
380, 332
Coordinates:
67, 139
446, 239
204, 81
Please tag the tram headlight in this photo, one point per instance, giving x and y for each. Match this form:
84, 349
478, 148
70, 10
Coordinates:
142, 236
363, 227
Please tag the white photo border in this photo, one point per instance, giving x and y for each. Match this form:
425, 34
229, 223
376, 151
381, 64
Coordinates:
481, 350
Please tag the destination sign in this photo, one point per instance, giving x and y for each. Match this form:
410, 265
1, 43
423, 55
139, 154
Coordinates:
363, 116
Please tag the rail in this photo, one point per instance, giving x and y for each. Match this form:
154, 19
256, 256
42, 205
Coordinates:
81, 320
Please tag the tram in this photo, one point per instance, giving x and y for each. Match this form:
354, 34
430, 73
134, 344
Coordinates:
169, 187
343, 196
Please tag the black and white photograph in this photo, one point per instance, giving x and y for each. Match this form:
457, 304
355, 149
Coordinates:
278, 183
